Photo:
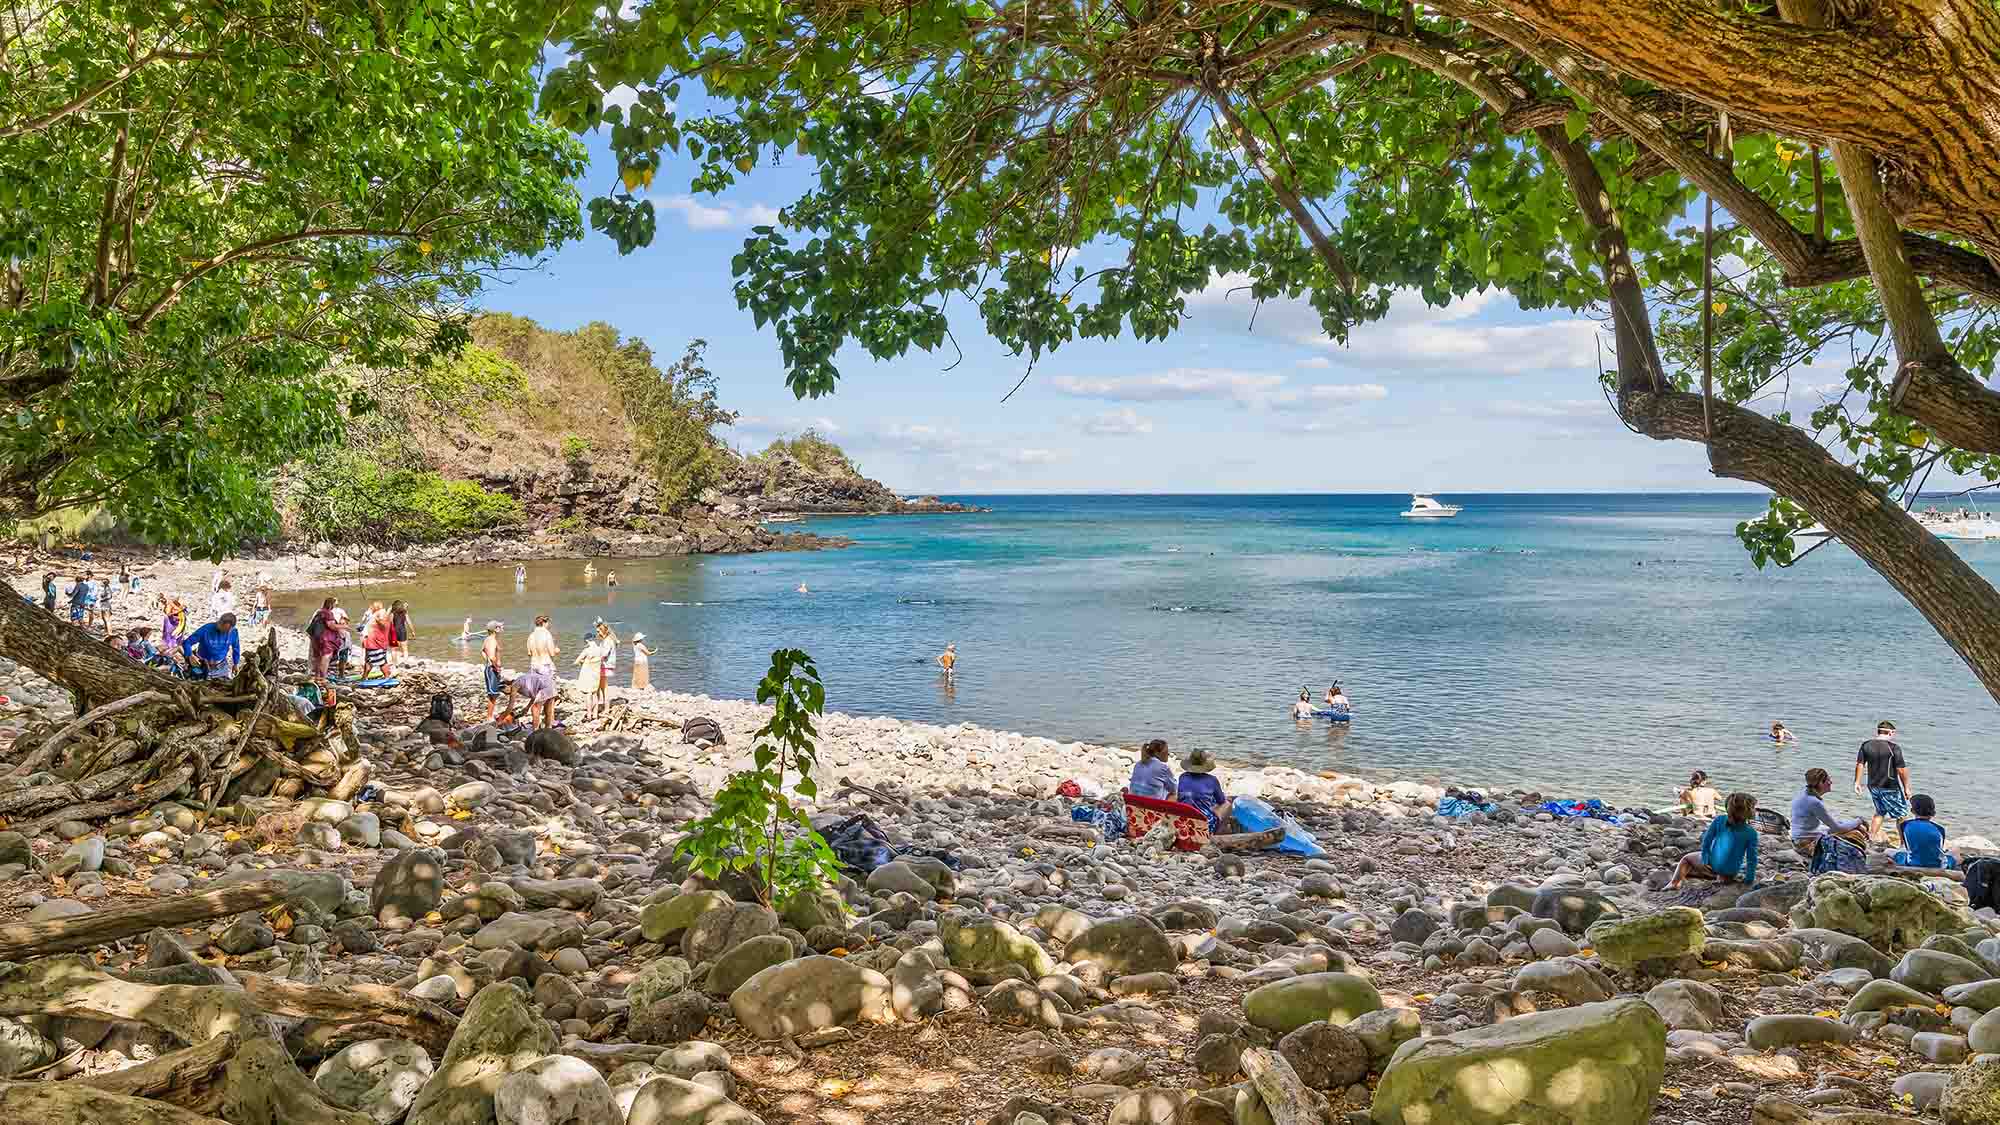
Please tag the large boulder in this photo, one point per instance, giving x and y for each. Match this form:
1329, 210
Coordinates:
1972, 1096
1573, 908
973, 942
558, 1090
662, 976
1664, 935
1597, 1064
499, 1034
1132, 944
1835, 950
409, 886
667, 920
667, 1100
748, 959
716, 932
378, 1077
1890, 914
24, 1047
1289, 1004
1687, 1005
1933, 971
808, 994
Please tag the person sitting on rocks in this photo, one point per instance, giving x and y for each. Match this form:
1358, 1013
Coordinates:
1728, 849
1151, 775
1198, 787
1699, 798
1923, 838
1812, 821
214, 650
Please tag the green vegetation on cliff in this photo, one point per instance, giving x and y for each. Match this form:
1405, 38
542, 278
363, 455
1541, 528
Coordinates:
353, 496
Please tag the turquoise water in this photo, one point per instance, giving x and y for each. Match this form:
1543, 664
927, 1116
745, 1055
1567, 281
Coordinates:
1584, 645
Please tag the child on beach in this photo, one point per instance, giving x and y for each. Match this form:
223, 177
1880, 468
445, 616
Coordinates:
399, 628
495, 682
642, 669
948, 659
1923, 839
1728, 849
375, 644
590, 675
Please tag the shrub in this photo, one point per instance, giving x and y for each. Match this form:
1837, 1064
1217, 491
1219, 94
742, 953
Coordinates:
575, 448
352, 496
754, 822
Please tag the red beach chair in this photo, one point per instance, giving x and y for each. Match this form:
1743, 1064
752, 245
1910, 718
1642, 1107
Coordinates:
1143, 813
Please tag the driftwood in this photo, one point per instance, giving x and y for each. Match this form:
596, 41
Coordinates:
22, 940
850, 784
59, 1103
1780, 1111
72, 986
420, 1021
1248, 841
46, 752
262, 1087
190, 1078
1285, 1096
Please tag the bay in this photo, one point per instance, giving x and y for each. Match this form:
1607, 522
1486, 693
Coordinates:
1584, 645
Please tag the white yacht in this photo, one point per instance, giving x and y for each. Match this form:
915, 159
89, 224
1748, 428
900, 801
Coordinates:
1423, 507
1816, 531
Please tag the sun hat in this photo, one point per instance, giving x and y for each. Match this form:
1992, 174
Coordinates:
1198, 761
638, 636
495, 626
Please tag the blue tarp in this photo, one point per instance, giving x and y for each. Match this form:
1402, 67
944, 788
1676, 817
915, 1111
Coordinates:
1253, 815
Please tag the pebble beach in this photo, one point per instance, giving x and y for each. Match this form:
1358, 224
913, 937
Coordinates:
1011, 967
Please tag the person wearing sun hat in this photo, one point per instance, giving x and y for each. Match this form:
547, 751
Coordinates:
496, 683
642, 672
1199, 788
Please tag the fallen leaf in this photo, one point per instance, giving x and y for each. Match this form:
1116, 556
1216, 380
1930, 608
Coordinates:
1673, 1092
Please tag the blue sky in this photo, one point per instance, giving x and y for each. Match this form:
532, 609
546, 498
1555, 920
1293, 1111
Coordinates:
1479, 396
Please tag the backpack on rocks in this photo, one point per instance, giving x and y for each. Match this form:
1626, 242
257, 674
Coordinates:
441, 708
1982, 882
702, 729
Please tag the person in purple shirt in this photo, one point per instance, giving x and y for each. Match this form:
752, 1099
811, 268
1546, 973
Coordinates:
1199, 788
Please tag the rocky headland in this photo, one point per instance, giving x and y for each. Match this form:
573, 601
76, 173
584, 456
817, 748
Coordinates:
515, 941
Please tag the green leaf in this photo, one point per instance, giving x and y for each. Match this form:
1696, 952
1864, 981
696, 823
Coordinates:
1576, 123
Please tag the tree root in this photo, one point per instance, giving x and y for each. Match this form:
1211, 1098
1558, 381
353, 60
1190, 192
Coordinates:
46, 752
22, 940
264, 1088
420, 1021
72, 986
143, 797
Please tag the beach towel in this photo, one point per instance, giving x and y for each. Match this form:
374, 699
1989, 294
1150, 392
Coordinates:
1593, 808
1459, 806
1190, 825
1110, 823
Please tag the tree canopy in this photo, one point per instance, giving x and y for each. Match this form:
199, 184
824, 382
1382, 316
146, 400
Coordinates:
204, 206
971, 154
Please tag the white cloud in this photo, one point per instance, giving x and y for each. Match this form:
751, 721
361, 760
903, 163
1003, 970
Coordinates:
1113, 423
1551, 408
719, 215
1034, 457
1180, 384
1347, 392
919, 438
624, 97
1414, 338
1316, 362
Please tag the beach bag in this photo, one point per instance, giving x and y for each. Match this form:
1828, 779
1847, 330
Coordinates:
859, 844
441, 708
1982, 882
703, 729
314, 628
1773, 822
1835, 854
1252, 814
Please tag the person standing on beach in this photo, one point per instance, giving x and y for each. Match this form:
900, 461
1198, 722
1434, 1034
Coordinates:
542, 650
495, 682
399, 628
590, 676
642, 669
223, 600
324, 633
102, 614
948, 659
49, 591
1880, 763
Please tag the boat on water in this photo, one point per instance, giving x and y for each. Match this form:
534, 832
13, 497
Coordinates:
784, 519
1959, 523
1424, 507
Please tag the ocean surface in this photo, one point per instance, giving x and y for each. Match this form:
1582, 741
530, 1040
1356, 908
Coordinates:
1584, 645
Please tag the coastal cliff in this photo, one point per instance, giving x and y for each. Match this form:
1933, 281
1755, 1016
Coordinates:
539, 442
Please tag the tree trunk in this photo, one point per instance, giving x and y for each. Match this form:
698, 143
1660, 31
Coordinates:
95, 672
69, 1103
21, 940
190, 1078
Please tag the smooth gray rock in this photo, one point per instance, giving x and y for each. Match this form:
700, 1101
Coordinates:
378, 1077
558, 1090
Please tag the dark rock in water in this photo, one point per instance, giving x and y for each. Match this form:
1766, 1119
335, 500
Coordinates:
1573, 908
1326, 1057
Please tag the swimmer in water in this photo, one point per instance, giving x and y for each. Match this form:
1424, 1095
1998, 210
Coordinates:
802, 589
465, 633
1782, 736
589, 571
1303, 709
1336, 698
611, 579
520, 577
948, 659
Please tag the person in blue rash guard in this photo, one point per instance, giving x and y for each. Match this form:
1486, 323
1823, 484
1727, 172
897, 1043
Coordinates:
1728, 848
215, 648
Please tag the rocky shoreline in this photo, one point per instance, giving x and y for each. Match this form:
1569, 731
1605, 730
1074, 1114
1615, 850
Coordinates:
1009, 967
